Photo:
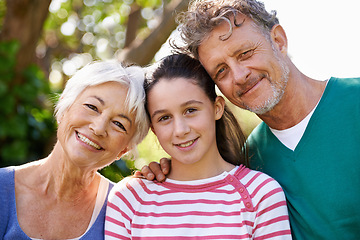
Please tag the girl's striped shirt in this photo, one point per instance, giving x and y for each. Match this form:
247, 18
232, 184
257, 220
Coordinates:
240, 204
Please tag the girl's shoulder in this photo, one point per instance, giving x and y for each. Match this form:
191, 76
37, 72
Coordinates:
131, 182
256, 180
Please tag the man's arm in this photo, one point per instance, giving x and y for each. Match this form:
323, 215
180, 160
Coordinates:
155, 170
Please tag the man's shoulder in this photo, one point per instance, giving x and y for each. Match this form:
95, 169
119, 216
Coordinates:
257, 133
345, 83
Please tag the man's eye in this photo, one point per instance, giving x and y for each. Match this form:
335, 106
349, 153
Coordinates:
219, 73
246, 54
92, 107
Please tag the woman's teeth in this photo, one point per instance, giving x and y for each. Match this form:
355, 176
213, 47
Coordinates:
88, 141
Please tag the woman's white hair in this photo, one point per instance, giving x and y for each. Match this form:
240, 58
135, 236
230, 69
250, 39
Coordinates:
99, 72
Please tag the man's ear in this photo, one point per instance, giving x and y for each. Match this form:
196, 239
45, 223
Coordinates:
219, 107
279, 38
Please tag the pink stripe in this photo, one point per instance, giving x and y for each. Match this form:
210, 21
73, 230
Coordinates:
116, 208
190, 213
253, 179
124, 200
268, 209
241, 172
274, 234
257, 189
113, 206
114, 221
190, 225
174, 188
181, 202
245, 236
271, 193
271, 221
115, 235
268, 195
223, 237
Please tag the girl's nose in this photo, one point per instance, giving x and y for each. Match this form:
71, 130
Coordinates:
181, 127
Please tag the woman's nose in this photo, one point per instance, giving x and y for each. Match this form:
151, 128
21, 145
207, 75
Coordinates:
98, 126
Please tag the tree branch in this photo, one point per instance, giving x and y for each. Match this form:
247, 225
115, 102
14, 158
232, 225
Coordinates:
142, 51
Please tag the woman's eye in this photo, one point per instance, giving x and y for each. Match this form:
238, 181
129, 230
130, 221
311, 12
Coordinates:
120, 125
92, 107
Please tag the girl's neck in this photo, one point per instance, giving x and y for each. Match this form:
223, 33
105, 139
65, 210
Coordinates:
199, 170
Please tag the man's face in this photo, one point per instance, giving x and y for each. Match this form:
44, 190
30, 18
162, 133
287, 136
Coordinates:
248, 68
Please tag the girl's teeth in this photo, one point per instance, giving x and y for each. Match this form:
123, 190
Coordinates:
187, 144
88, 141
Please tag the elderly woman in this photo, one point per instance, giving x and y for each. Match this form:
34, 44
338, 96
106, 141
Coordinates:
100, 117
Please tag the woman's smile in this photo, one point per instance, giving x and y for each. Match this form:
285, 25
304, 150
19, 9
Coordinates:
87, 141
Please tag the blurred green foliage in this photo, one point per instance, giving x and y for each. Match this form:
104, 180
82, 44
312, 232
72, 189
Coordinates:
26, 124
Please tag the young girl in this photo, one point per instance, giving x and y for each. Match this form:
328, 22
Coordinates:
209, 193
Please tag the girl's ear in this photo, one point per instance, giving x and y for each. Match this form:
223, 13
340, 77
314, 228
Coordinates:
219, 107
152, 129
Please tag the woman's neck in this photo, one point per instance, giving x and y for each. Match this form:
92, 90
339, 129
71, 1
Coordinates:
61, 179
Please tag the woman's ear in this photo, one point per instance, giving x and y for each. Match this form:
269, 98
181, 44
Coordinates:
279, 38
59, 118
219, 107
123, 152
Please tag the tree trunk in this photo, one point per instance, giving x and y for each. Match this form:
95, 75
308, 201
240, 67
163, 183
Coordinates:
24, 21
142, 51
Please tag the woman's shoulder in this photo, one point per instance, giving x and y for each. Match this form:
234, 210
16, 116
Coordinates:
7, 183
7, 175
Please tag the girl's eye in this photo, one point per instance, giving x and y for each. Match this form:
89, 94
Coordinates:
191, 110
163, 118
120, 125
92, 107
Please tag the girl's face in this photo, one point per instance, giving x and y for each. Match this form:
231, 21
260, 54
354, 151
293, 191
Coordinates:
183, 119
97, 128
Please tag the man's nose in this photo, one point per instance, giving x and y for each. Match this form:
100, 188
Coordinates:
240, 73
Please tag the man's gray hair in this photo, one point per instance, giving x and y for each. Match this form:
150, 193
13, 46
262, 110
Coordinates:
204, 15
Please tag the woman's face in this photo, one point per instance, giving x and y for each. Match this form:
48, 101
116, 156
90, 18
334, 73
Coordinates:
183, 119
97, 128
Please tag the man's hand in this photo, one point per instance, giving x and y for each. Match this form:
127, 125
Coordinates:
155, 170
